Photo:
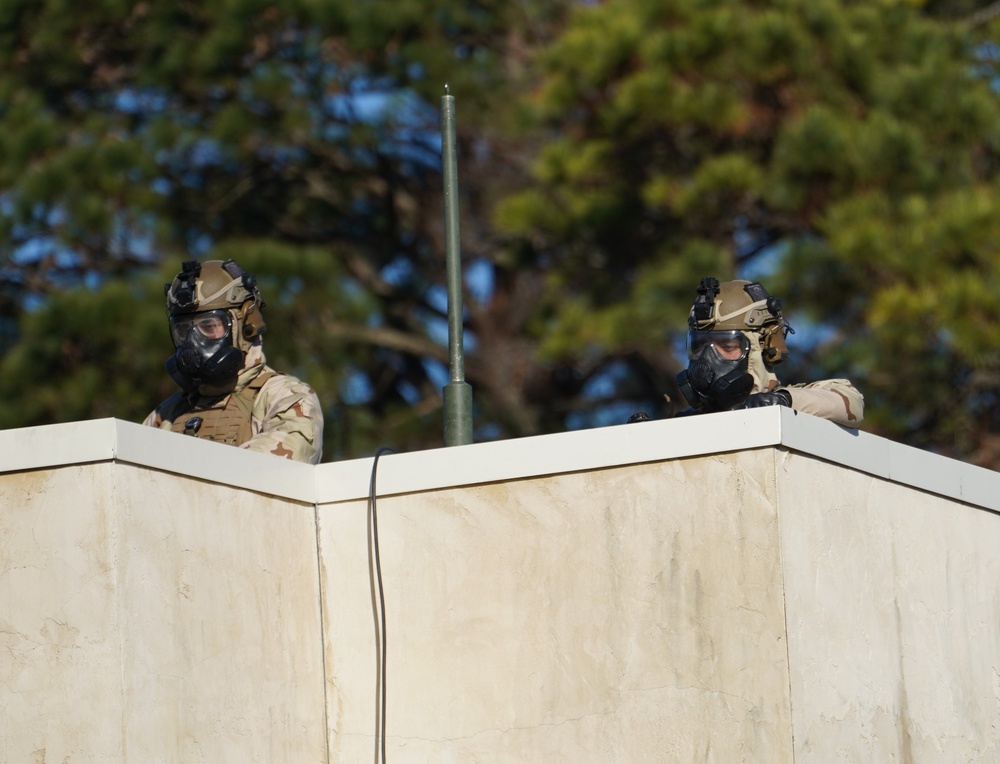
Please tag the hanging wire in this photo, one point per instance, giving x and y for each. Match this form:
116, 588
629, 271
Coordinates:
375, 573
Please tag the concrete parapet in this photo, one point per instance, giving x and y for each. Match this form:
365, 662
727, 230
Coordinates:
748, 586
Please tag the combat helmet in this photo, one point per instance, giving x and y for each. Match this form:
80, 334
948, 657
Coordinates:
743, 306
219, 285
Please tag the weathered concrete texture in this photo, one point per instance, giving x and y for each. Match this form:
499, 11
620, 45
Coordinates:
146, 617
893, 602
60, 630
799, 600
631, 614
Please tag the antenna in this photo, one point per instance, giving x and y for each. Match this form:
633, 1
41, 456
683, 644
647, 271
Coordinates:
457, 393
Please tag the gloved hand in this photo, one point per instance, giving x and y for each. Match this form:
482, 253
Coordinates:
772, 398
638, 416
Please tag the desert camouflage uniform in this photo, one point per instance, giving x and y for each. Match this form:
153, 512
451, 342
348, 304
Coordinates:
286, 419
835, 399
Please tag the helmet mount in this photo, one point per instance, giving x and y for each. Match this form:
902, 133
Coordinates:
703, 304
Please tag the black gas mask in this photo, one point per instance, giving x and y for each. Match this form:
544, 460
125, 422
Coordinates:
205, 356
716, 378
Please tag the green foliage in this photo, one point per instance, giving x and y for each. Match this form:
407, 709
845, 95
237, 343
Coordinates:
86, 355
611, 154
845, 151
297, 137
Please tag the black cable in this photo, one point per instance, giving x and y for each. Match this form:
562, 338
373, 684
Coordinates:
380, 662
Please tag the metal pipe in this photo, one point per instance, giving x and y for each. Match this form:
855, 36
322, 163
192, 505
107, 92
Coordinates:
457, 393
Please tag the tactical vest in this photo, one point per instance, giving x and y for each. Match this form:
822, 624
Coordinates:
230, 424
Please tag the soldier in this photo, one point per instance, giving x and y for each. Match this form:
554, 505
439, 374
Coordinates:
736, 336
228, 392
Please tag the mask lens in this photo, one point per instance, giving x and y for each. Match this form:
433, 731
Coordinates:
213, 325
727, 345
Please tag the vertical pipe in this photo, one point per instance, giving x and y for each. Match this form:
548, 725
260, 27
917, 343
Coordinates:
457, 393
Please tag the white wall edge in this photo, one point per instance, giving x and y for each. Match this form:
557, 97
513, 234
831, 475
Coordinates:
542, 455
99, 440
56, 445
887, 459
214, 462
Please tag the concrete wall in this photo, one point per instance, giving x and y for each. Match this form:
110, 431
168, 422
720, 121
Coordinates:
753, 586
147, 617
892, 601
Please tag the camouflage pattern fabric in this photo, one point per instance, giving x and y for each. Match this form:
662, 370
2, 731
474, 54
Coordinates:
286, 420
834, 399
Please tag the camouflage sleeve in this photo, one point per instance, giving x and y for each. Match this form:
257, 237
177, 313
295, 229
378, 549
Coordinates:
834, 399
287, 420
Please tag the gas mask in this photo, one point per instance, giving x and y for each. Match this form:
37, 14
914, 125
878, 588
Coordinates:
716, 378
205, 356
215, 318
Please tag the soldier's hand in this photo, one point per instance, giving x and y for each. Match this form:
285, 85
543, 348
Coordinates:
772, 398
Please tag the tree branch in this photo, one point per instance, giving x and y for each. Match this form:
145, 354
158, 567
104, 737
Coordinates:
385, 337
983, 15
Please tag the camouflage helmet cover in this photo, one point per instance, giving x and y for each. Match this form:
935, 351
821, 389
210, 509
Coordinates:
741, 306
219, 285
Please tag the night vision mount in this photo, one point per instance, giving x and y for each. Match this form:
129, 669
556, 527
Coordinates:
704, 304
184, 293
